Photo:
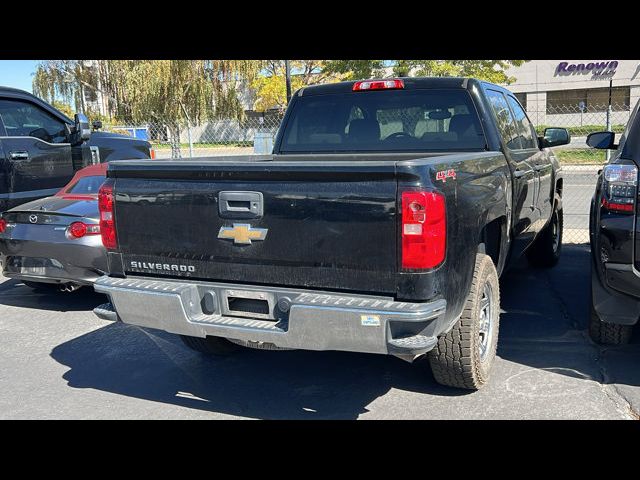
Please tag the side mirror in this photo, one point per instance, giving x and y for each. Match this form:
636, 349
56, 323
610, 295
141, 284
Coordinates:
554, 137
83, 130
97, 125
602, 140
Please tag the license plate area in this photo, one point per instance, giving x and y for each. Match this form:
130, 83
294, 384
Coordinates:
33, 271
248, 304
30, 265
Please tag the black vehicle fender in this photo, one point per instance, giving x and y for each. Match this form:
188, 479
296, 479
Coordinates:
492, 230
612, 307
481, 200
494, 241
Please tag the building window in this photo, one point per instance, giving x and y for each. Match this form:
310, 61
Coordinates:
522, 98
592, 100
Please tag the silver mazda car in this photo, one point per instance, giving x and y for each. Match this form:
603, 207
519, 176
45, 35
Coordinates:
55, 242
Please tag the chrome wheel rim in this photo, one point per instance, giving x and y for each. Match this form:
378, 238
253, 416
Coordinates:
555, 232
485, 330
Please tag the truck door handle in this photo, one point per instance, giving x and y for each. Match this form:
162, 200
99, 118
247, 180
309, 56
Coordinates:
520, 173
19, 155
241, 205
537, 168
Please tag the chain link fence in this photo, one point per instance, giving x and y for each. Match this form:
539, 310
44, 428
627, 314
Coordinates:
255, 132
251, 135
580, 163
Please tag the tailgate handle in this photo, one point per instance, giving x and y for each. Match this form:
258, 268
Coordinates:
19, 155
240, 204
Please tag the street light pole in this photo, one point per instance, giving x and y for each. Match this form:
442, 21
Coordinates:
608, 127
287, 80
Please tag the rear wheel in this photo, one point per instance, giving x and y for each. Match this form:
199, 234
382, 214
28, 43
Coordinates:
608, 333
545, 252
463, 357
210, 345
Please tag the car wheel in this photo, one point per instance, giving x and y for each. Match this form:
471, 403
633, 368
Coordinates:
608, 333
545, 252
464, 356
209, 345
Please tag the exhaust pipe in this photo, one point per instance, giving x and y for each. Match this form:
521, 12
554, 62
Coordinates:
68, 287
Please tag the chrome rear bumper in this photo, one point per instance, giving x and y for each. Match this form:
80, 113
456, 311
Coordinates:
287, 318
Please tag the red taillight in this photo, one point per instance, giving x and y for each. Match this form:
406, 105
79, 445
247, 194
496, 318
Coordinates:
365, 85
79, 229
107, 219
617, 207
619, 187
3, 225
152, 154
424, 229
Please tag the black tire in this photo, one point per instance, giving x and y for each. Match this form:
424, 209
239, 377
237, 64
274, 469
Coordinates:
608, 333
210, 345
545, 252
458, 360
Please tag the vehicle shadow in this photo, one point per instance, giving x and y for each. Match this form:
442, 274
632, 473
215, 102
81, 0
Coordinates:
14, 293
545, 319
543, 326
156, 366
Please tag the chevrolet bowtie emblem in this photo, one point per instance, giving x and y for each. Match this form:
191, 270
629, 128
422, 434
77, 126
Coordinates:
242, 233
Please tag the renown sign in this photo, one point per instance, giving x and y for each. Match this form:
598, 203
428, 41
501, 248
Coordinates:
593, 68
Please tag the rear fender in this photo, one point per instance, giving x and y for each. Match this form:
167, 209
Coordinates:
612, 307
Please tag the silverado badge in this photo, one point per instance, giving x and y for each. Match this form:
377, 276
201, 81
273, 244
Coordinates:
242, 233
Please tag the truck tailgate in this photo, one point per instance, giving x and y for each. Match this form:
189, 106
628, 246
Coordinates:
327, 225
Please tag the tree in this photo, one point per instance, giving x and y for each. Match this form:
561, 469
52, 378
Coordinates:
63, 107
356, 69
163, 91
65, 79
271, 91
490, 70
270, 86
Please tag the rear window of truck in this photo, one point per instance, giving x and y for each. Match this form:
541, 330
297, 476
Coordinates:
383, 121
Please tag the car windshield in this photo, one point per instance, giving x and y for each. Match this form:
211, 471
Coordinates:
382, 121
87, 185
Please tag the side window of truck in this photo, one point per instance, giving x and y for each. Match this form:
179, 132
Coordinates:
23, 119
504, 120
527, 132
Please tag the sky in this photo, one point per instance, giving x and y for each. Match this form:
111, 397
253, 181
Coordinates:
17, 73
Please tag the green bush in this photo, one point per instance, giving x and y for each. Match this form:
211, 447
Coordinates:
583, 130
581, 156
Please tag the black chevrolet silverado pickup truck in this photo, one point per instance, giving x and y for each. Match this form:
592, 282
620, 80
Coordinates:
379, 224
41, 148
615, 238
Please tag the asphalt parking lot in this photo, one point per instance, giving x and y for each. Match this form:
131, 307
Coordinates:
60, 361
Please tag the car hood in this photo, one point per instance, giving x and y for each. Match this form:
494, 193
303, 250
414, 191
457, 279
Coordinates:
74, 205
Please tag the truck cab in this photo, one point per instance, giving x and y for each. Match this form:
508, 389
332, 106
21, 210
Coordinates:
41, 148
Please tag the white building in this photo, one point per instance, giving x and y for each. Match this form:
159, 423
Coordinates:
561, 92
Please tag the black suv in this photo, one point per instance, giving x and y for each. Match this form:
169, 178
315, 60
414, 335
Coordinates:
615, 242
41, 148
